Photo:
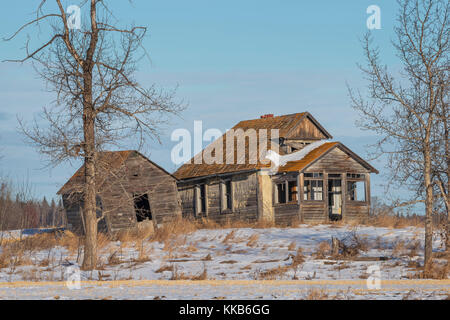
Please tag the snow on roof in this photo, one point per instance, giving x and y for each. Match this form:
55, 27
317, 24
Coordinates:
281, 160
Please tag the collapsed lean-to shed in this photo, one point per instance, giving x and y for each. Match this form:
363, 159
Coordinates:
327, 182
131, 189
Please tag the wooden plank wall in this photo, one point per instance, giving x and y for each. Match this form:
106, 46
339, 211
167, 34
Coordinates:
337, 161
286, 213
143, 177
136, 176
307, 130
314, 211
73, 207
187, 201
245, 204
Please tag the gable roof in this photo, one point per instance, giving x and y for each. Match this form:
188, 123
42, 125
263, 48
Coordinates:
107, 160
318, 153
286, 124
200, 170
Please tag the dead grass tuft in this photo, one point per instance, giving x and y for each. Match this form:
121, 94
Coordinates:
298, 259
398, 248
202, 276
177, 275
253, 240
143, 253
439, 271
173, 229
114, 258
351, 245
292, 246
323, 250
164, 268
230, 236
271, 274
394, 221
142, 230
316, 294
192, 248
207, 258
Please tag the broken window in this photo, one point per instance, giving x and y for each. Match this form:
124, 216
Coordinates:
313, 190
201, 191
351, 176
281, 192
356, 190
292, 187
317, 175
142, 207
334, 175
227, 195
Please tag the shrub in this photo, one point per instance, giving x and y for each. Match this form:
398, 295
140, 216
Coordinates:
323, 250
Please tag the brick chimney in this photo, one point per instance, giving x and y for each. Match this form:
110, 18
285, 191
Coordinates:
265, 116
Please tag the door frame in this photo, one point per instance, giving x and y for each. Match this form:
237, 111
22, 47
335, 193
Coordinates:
334, 216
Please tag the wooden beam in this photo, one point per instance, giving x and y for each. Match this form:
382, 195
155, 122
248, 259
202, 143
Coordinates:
196, 200
367, 175
325, 195
221, 196
300, 188
344, 194
299, 199
206, 199
286, 191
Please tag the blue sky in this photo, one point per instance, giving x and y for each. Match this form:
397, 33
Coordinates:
232, 60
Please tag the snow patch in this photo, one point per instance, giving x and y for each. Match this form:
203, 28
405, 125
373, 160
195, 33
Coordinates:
281, 160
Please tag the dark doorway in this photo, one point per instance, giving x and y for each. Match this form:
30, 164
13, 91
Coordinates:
142, 207
335, 199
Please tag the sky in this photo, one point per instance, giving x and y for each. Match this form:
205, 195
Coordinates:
231, 60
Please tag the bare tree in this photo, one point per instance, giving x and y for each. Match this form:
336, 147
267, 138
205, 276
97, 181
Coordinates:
441, 154
407, 112
98, 102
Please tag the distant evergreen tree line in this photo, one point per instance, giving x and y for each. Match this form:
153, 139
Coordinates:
18, 211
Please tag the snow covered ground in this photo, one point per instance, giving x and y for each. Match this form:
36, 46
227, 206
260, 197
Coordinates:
238, 289
231, 263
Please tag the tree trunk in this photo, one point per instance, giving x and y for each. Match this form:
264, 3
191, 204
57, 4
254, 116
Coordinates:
447, 162
90, 216
428, 208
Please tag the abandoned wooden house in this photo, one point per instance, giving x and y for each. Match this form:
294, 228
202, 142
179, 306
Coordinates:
321, 181
131, 189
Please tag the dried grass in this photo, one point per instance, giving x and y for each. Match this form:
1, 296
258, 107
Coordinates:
141, 231
298, 259
435, 270
292, 246
253, 240
270, 274
230, 236
173, 229
323, 250
316, 294
207, 258
394, 221
202, 276
165, 268
351, 245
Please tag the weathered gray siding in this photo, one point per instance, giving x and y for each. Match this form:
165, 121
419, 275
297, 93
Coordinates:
245, 201
136, 176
